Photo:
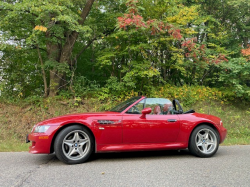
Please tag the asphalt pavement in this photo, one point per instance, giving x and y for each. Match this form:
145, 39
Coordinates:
229, 167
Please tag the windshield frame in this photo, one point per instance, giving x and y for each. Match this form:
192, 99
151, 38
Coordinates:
127, 104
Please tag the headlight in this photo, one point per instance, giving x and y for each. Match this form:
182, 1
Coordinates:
41, 129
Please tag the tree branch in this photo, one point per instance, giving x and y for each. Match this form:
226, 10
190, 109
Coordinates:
106, 33
85, 11
85, 47
70, 41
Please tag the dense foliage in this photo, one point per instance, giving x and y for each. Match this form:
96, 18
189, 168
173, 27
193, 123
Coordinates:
127, 47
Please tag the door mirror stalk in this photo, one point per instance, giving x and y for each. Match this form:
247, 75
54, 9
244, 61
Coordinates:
145, 111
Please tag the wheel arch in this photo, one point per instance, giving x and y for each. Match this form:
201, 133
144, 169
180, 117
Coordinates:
204, 123
65, 126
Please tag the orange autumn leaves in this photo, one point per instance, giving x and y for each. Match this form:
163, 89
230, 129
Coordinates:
40, 28
246, 52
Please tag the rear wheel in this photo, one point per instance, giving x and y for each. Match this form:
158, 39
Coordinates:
204, 141
74, 145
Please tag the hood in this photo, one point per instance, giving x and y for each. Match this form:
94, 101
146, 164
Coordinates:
75, 117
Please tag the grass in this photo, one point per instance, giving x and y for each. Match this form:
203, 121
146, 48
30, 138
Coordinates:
237, 141
13, 146
17, 119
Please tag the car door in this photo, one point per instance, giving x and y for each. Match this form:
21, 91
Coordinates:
152, 128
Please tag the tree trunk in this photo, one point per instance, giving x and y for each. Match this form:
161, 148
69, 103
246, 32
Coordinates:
55, 82
63, 54
43, 73
53, 52
245, 42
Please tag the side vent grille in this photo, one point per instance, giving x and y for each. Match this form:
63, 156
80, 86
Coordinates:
104, 122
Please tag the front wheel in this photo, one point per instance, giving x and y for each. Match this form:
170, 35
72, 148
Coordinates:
74, 145
204, 141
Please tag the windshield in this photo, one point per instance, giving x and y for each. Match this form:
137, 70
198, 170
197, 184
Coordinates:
122, 106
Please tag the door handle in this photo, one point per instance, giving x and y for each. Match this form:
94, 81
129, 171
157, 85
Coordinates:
172, 120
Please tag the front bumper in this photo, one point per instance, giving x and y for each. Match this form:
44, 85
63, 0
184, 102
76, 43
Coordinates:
41, 142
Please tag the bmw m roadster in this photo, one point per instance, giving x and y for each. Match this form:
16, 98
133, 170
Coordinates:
137, 124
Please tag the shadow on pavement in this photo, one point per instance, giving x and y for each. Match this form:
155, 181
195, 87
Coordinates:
140, 154
43, 159
166, 154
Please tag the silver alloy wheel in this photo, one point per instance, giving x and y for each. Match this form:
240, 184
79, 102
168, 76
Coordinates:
76, 145
206, 141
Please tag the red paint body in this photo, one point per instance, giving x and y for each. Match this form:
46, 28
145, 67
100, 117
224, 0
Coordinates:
129, 132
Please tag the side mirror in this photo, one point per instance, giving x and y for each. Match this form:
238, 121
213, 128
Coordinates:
145, 111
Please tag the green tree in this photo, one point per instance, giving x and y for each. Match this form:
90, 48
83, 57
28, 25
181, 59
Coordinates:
165, 46
51, 27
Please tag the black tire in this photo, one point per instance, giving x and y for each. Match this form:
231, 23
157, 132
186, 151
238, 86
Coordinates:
74, 144
204, 141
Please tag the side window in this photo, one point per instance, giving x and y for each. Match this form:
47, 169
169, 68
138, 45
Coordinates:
159, 106
152, 103
136, 109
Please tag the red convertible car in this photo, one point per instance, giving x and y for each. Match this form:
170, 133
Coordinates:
137, 124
